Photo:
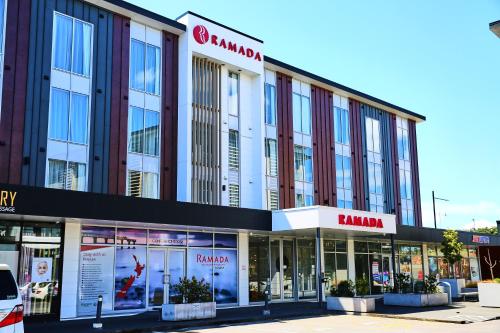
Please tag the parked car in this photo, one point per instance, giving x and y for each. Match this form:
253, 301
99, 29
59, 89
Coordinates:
11, 307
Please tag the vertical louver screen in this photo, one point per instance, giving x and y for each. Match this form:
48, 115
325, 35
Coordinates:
205, 184
234, 195
234, 150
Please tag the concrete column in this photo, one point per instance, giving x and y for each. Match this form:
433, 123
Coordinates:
425, 258
351, 265
243, 269
70, 267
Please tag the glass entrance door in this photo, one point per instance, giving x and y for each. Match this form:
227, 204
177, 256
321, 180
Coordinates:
166, 267
386, 270
282, 270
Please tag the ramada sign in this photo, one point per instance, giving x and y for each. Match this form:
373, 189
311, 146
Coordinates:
201, 36
370, 222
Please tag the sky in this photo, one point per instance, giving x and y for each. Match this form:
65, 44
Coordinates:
436, 58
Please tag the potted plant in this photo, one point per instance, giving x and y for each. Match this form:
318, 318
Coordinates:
452, 248
192, 300
489, 291
428, 295
343, 298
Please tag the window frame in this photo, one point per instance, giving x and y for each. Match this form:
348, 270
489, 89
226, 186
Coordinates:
272, 103
373, 160
234, 150
73, 20
129, 133
146, 44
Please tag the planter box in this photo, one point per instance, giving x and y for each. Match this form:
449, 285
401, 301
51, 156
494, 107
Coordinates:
351, 304
456, 286
175, 312
489, 294
416, 300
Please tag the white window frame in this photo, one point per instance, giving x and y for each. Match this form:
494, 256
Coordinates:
146, 44
73, 83
273, 102
405, 177
374, 158
343, 151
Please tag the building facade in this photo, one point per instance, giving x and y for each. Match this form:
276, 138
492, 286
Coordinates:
136, 150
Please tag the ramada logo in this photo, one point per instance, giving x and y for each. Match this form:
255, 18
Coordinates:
201, 36
359, 221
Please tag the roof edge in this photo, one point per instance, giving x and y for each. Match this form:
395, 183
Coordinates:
220, 25
341, 87
144, 12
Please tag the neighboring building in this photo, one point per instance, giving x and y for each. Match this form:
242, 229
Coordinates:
495, 28
135, 150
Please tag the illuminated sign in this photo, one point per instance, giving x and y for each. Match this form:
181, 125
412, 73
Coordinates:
7, 201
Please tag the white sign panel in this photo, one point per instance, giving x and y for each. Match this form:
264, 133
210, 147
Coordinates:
333, 218
224, 45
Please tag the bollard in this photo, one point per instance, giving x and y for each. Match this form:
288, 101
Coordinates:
98, 323
267, 312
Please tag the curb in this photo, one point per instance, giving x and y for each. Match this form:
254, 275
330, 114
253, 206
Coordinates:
419, 318
176, 326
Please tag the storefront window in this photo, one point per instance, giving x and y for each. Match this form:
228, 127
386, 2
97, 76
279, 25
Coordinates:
335, 262
225, 276
39, 268
258, 267
306, 255
130, 277
443, 268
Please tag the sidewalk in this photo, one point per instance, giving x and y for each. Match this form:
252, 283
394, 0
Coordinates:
149, 321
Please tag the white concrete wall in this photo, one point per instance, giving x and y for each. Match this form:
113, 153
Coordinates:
243, 268
69, 285
351, 262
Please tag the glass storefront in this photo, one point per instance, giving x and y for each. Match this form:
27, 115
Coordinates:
306, 267
467, 268
410, 262
32, 250
372, 266
137, 268
258, 267
336, 269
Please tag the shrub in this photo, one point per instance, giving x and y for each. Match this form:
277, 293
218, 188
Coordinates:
362, 286
430, 285
402, 283
344, 289
191, 291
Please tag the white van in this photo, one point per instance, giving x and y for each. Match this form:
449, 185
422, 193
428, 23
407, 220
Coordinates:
11, 305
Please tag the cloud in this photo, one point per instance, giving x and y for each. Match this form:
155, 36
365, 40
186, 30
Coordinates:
461, 216
478, 224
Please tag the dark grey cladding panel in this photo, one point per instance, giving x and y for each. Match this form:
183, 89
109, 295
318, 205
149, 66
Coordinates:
38, 90
431, 235
385, 139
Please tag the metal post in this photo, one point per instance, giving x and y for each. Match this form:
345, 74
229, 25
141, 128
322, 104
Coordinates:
267, 312
98, 323
318, 268
434, 209
393, 259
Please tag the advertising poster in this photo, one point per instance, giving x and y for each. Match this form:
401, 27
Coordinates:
96, 278
199, 264
225, 276
130, 277
41, 269
97, 235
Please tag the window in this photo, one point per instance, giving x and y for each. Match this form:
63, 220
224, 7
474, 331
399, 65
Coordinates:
343, 158
144, 131
69, 116
142, 184
272, 200
234, 150
66, 175
303, 164
271, 157
72, 45
233, 94
407, 217
301, 114
145, 67
374, 161
270, 104
234, 195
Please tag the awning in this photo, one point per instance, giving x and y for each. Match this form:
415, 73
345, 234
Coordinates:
351, 222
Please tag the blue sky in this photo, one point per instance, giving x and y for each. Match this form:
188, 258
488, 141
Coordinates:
437, 58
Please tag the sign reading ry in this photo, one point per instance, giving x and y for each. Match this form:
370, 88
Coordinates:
7, 200
202, 36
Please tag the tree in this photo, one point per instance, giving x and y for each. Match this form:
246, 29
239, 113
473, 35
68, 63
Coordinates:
485, 230
491, 263
451, 247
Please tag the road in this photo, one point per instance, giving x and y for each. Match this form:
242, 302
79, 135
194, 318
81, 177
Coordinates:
351, 324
